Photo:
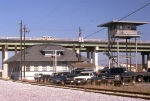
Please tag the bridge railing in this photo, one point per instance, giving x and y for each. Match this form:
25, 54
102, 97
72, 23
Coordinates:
71, 39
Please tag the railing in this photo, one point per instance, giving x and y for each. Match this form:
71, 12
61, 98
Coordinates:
70, 39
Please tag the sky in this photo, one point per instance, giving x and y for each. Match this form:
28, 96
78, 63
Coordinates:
62, 18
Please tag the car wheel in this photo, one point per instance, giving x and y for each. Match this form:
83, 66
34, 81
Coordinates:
76, 84
95, 82
123, 83
115, 84
133, 82
63, 83
139, 79
88, 81
98, 83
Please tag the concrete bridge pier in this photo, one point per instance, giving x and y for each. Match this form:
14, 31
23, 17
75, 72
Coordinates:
148, 60
92, 54
4, 58
143, 60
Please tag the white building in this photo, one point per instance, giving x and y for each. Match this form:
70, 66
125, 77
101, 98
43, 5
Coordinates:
43, 58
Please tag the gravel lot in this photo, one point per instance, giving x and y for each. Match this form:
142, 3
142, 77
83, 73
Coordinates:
14, 91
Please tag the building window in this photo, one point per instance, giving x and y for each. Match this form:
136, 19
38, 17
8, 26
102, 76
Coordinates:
133, 27
28, 67
44, 69
44, 66
36, 66
121, 27
64, 69
18, 69
51, 69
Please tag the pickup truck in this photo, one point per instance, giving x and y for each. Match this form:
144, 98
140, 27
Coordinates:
118, 76
143, 76
84, 77
75, 73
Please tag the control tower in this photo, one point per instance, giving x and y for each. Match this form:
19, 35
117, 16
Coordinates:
120, 31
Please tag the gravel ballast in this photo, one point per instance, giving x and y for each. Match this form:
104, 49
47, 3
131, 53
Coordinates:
15, 91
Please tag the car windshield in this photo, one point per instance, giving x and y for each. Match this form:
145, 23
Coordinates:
64, 73
84, 74
118, 70
60, 77
76, 72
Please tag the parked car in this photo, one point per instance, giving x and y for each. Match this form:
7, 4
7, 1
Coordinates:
39, 77
75, 73
98, 78
84, 77
59, 80
143, 76
119, 76
54, 75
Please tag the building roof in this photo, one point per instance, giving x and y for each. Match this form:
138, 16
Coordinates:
121, 22
34, 54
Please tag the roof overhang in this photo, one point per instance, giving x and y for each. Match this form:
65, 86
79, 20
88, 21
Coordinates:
84, 65
121, 22
51, 50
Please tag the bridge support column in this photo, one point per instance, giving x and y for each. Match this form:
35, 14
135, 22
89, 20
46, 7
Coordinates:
88, 55
148, 61
91, 57
15, 49
96, 58
92, 54
143, 61
4, 57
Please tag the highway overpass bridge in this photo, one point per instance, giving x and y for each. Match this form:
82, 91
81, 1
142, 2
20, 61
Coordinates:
91, 46
13, 44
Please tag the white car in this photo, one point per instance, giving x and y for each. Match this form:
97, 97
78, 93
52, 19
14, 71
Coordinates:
83, 77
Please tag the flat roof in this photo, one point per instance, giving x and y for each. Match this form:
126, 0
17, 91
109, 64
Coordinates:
121, 22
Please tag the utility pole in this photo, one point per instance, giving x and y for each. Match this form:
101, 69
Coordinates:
80, 40
20, 49
25, 31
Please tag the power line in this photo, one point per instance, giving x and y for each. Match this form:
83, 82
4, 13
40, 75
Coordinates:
67, 13
95, 32
57, 7
120, 19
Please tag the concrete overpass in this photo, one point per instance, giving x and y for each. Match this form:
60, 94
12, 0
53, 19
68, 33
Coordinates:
91, 46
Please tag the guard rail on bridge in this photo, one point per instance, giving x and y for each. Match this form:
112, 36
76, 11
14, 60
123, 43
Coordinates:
71, 39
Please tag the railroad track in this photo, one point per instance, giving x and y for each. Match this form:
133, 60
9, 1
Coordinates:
97, 90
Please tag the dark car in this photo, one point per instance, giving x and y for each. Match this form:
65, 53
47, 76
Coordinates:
41, 77
55, 75
143, 76
59, 80
119, 76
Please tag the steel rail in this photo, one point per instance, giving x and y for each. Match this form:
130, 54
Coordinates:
98, 90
